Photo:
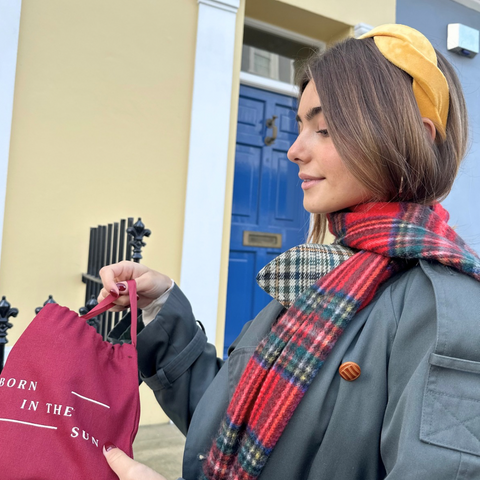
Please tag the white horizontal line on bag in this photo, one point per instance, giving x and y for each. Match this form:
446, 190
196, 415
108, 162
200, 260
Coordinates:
90, 400
27, 423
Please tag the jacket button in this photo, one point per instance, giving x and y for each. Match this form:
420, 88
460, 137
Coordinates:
349, 371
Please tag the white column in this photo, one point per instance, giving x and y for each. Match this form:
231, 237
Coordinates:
9, 30
207, 163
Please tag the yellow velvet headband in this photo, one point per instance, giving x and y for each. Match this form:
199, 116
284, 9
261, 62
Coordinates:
410, 51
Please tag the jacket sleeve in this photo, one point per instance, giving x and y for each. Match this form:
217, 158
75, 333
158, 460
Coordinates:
431, 428
175, 360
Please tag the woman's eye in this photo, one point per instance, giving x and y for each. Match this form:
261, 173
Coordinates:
323, 133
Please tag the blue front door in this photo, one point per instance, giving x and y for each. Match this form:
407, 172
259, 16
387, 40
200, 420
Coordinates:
267, 199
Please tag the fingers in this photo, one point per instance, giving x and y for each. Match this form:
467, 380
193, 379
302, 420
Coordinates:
152, 284
119, 462
121, 300
127, 468
118, 308
149, 284
121, 303
119, 272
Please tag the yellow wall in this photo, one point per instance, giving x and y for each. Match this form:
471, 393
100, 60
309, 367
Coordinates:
323, 20
100, 132
371, 12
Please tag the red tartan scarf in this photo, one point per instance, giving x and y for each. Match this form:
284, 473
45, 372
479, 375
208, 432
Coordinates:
387, 236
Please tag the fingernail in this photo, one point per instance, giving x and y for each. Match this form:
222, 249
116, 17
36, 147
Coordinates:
121, 287
108, 446
114, 293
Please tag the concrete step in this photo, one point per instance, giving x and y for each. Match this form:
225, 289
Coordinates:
161, 448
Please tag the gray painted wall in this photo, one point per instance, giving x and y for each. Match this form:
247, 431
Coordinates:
431, 17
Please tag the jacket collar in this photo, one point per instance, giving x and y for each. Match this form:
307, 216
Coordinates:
292, 272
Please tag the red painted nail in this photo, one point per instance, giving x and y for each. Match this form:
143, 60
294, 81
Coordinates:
108, 446
121, 287
114, 293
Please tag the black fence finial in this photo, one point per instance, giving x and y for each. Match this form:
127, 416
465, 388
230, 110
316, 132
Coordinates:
138, 231
5, 313
91, 303
48, 300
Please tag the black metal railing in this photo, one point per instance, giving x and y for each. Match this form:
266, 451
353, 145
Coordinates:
110, 244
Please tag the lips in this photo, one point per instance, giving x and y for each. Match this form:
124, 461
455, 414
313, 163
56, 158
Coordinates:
310, 182
308, 178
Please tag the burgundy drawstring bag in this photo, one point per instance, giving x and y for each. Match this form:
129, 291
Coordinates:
64, 392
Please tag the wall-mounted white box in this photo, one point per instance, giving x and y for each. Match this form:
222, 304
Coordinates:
462, 40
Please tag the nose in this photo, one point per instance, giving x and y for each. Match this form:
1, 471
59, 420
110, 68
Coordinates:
296, 153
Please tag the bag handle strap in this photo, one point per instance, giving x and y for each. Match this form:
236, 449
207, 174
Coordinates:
108, 302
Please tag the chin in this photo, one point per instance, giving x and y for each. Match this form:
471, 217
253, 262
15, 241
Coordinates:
317, 209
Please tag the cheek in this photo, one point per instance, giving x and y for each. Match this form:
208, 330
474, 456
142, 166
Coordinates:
334, 167
356, 190
348, 185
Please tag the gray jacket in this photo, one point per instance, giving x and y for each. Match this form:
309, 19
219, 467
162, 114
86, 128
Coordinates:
414, 412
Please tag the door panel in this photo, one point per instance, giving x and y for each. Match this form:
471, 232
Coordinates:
245, 208
286, 182
241, 275
267, 198
250, 125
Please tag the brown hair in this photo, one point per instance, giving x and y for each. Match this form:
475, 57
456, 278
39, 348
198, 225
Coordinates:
376, 127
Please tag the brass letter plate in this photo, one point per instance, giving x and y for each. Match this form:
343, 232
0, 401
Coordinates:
261, 239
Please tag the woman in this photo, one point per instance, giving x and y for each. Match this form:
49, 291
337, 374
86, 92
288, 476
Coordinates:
371, 370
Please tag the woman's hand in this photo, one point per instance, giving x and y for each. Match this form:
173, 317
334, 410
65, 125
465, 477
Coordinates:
150, 284
127, 468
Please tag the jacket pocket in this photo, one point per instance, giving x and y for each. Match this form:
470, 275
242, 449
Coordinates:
451, 404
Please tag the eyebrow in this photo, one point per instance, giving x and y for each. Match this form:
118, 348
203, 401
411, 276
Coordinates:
310, 115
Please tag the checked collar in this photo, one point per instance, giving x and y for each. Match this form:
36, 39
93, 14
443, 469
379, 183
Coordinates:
292, 272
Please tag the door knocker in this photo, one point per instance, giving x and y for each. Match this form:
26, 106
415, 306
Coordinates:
271, 124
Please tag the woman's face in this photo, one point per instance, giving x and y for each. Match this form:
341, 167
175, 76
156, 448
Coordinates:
327, 184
